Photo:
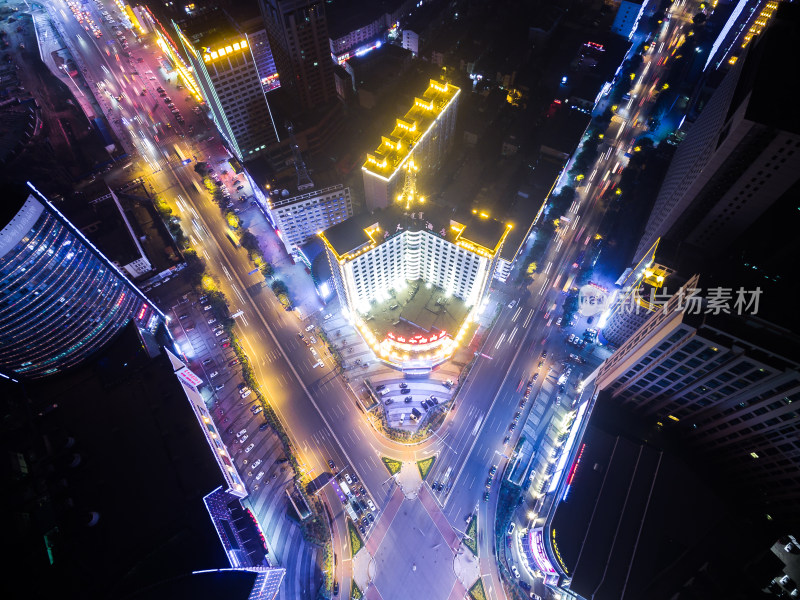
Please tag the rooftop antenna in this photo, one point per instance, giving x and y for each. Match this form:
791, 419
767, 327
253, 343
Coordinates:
409, 194
304, 181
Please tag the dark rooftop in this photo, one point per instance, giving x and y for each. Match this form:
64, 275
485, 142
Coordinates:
527, 203
14, 196
637, 522
101, 222
345, 16
209, 28
764, 73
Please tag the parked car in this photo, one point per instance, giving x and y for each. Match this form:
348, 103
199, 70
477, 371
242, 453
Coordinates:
250, 447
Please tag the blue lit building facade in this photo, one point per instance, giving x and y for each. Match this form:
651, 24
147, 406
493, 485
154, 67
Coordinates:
60, 298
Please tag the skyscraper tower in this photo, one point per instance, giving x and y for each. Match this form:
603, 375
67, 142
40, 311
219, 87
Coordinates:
298, 35
742, 153
60, 298
227, 72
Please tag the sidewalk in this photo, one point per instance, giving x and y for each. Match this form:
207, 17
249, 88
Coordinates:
302, 291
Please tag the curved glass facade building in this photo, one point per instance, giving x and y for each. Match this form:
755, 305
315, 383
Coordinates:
60, 298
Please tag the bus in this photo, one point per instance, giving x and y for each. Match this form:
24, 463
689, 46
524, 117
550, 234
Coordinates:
232, 239
180, 155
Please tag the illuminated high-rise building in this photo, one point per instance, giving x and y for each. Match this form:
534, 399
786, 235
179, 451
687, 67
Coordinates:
424, 133
227, 72
728, 383
61, 299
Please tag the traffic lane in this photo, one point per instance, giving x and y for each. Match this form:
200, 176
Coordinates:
280, 396
470, 406
489, 446
342, 564
485, 423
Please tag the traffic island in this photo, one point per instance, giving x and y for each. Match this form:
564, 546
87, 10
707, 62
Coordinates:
355, 592
425, 466
471, 537
476, 592
392, 465
409, 480
356, 543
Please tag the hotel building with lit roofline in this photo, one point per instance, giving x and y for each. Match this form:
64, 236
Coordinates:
412, 277
425, 133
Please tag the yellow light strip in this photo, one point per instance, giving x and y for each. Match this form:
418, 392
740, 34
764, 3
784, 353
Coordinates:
209, 54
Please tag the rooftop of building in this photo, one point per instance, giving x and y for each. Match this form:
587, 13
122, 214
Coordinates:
125, 446
564, 129
615, 531
409, 129
767, 342
345, 16
471, 230
14, 196
763, 75
101, 222
286, 185
419, 309
211, 29
529, 199
386, 61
